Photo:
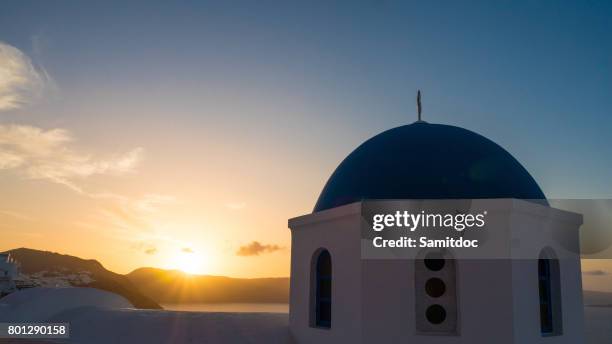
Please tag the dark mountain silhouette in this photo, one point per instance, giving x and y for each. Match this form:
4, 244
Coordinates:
171, 286
55, 265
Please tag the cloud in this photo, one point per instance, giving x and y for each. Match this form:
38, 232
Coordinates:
47, 154
31, 152
187, 250
37, 153
144, 247
19, 79
255, 248
595, 273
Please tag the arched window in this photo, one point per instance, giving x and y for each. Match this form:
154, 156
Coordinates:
321, 289
549, 285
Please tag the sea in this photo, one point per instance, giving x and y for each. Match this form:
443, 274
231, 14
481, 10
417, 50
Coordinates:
598, 324
229, 307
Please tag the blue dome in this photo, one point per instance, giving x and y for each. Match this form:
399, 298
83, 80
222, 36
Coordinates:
428, 161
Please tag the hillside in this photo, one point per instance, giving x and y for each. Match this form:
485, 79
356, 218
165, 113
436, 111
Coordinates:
49, 268
170, 286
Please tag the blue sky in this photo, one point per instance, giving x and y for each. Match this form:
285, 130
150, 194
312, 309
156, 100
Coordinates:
275, 94
534, 76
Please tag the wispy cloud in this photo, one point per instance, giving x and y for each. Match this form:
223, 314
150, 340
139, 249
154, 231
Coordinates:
255, 248
186, 250
20, 80
52, 154
127, 219
124, 217
595, 273
47, 154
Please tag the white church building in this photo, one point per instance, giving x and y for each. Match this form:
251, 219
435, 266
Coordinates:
529, 293
8, 274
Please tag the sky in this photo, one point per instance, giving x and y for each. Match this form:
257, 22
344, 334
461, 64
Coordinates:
185, 134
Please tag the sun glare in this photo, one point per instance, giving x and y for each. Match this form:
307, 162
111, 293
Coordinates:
190, 263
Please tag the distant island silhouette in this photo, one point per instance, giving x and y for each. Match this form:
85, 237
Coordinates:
147, 287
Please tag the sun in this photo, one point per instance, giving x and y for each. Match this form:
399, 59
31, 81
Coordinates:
187, 262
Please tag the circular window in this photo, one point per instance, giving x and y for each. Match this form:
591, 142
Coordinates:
434, 261
435, 287
435, 314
